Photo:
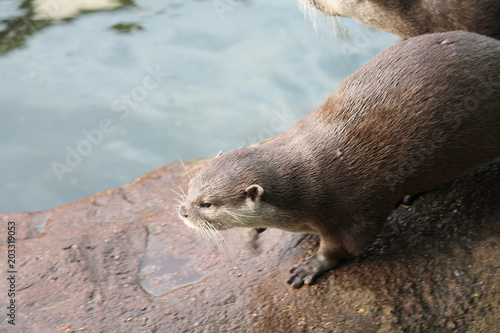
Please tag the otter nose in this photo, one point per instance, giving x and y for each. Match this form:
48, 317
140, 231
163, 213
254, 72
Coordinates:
183, 212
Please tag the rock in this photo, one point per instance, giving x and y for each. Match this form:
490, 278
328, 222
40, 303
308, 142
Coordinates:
121, 261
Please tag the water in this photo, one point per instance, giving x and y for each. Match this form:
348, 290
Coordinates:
94, 94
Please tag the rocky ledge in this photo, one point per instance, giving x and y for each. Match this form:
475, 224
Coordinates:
121, 261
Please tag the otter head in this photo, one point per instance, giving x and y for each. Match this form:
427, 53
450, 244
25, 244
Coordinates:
225, 194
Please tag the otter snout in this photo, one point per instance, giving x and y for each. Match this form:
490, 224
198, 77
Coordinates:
183, 212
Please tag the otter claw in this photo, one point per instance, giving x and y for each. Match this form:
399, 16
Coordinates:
299, 278
308, 272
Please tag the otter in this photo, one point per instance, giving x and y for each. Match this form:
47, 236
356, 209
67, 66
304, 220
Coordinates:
408, 18
419, 114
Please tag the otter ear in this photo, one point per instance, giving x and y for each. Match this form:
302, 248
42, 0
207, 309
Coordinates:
254, 191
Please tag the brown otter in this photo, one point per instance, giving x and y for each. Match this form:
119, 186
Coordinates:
408, 18
417, 115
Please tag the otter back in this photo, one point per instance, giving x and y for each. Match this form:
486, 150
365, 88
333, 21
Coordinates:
418, 114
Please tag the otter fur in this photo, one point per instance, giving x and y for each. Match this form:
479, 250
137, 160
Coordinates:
419, 114
408, 18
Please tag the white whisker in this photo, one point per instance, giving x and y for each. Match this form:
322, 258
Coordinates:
214, 235
179, 194
343, 31
236, 217
185, 168
310, 14
207, 231
183, 193
243, 215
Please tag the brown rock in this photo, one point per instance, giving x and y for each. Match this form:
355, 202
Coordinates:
121, 261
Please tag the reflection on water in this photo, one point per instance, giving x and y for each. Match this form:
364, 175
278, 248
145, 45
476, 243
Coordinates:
96, 93
34, 15
127, 27
57, 10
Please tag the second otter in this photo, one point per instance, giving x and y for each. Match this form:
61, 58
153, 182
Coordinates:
417, 115
408, 18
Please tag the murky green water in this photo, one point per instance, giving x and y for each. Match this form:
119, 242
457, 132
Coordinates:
94, 94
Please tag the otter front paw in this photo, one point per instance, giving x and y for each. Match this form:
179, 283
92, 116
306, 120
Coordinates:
308, 272
252, 236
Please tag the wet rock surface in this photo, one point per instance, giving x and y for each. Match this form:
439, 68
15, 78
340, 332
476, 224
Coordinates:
121, 261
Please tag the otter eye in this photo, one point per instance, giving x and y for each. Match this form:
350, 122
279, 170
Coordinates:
205, 205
